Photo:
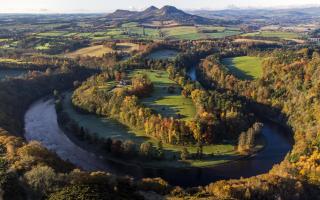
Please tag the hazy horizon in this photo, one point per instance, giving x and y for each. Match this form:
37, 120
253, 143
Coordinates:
104, 6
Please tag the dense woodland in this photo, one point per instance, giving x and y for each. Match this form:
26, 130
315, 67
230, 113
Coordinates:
289, 92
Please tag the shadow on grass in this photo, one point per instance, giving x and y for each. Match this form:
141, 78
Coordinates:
161, 93
231, 66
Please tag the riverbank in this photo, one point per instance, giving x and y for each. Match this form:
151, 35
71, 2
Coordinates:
260, 163
41, 125
101, 127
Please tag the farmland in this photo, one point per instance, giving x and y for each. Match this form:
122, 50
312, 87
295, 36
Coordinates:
163, 54
99, 50
96, 51
244, 67
274, 34
133, 30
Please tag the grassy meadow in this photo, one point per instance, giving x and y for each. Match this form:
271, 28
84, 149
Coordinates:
274, 34
244, 67
163, 54
100, 50
92, 51
167, 104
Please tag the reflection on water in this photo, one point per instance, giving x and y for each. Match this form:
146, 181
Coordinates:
10, 73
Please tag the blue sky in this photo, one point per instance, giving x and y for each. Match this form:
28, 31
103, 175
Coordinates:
29, 6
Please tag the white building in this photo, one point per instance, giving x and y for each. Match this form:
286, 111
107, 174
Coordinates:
315, 39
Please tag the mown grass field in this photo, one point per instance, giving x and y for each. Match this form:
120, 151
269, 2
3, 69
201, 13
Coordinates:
163, 54
167, 104
244, 67
274, 34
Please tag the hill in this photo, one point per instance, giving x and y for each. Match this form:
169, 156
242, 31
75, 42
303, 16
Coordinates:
153, 16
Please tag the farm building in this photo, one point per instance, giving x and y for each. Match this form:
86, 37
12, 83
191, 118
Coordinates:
314, 39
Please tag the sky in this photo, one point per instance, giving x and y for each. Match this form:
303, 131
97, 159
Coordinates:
86, 6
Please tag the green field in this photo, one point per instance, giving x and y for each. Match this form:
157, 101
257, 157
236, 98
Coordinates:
100, 50
169, 105
274, 34
244, 67
134, 30
10, 60
45, 46
163, 54
52, 33
194, 33
93, 51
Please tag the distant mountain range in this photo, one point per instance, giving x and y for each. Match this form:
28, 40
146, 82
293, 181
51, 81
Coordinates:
171, 16
167, 15
290, 15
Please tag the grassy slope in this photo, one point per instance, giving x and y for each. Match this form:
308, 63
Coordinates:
244, 67
168, 105
97, 51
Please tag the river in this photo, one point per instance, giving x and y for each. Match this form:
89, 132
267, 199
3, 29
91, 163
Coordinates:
11, 73
41, 125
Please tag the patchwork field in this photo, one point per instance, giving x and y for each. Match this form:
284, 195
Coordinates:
137, 31
244, 67
195, 33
